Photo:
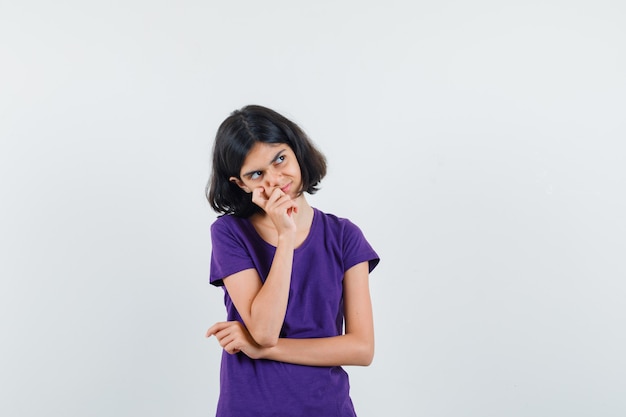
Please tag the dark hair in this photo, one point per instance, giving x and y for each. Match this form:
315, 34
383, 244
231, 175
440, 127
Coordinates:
233, 141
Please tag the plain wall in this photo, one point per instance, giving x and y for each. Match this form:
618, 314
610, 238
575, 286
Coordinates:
479, 145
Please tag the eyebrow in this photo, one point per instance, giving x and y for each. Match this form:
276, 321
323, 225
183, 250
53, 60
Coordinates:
249, 173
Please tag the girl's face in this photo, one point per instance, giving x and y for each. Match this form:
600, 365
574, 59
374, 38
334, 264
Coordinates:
270, 165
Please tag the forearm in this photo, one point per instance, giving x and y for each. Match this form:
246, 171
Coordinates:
267, 310
349, 349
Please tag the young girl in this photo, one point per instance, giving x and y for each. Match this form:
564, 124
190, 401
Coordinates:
291, 275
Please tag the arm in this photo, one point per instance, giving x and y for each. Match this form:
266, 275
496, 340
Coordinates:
355, 347
262, 306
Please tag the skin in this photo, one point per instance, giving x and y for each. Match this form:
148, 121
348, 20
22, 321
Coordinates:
272, 174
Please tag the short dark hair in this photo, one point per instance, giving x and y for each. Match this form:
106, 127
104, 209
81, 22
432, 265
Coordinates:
233, 141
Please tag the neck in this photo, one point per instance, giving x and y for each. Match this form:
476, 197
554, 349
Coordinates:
305, 213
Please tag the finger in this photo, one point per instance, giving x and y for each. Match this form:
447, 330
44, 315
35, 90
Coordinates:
217, 327
282, 202
275, 194
287, 204
232, 347
211, 331
225, 334
226, 340
259, 197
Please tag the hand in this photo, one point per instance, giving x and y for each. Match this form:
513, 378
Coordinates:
233, 337
280, 207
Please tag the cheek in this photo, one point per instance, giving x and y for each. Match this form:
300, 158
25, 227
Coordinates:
294, 167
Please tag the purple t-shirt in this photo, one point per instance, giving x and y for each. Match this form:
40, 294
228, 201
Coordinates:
259, 388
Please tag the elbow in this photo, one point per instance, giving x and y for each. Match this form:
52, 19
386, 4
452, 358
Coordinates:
365, 355
368, 358
265, 336
266, 340
269, 343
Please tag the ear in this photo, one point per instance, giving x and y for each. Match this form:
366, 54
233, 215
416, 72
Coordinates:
240, 184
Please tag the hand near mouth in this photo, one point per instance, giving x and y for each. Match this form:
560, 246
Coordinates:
279, 206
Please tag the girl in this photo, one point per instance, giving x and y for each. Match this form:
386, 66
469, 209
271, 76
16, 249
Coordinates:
291, 275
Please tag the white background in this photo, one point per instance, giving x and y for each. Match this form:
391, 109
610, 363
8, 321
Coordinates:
479, 145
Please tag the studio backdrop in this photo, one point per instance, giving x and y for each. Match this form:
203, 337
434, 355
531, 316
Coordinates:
480, 146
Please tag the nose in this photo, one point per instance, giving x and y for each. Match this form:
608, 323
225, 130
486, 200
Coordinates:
272, 177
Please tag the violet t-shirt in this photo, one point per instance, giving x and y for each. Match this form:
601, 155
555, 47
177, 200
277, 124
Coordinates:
259, 388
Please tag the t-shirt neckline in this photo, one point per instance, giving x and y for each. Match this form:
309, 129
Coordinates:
304, 243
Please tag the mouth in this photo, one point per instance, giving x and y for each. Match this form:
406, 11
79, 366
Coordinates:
285, 188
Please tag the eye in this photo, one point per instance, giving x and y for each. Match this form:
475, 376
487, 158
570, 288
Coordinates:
256, 175
280, 159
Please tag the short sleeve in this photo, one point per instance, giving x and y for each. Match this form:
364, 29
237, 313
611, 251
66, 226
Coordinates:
229, 254
356, 248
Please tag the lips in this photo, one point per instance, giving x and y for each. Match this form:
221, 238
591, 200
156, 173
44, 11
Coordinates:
285, 188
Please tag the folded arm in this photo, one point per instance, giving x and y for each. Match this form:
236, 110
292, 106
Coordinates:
355, 347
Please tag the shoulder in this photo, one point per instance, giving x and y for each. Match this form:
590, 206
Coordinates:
227, 220
342, 233
228, 224
339, 229
335, 223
